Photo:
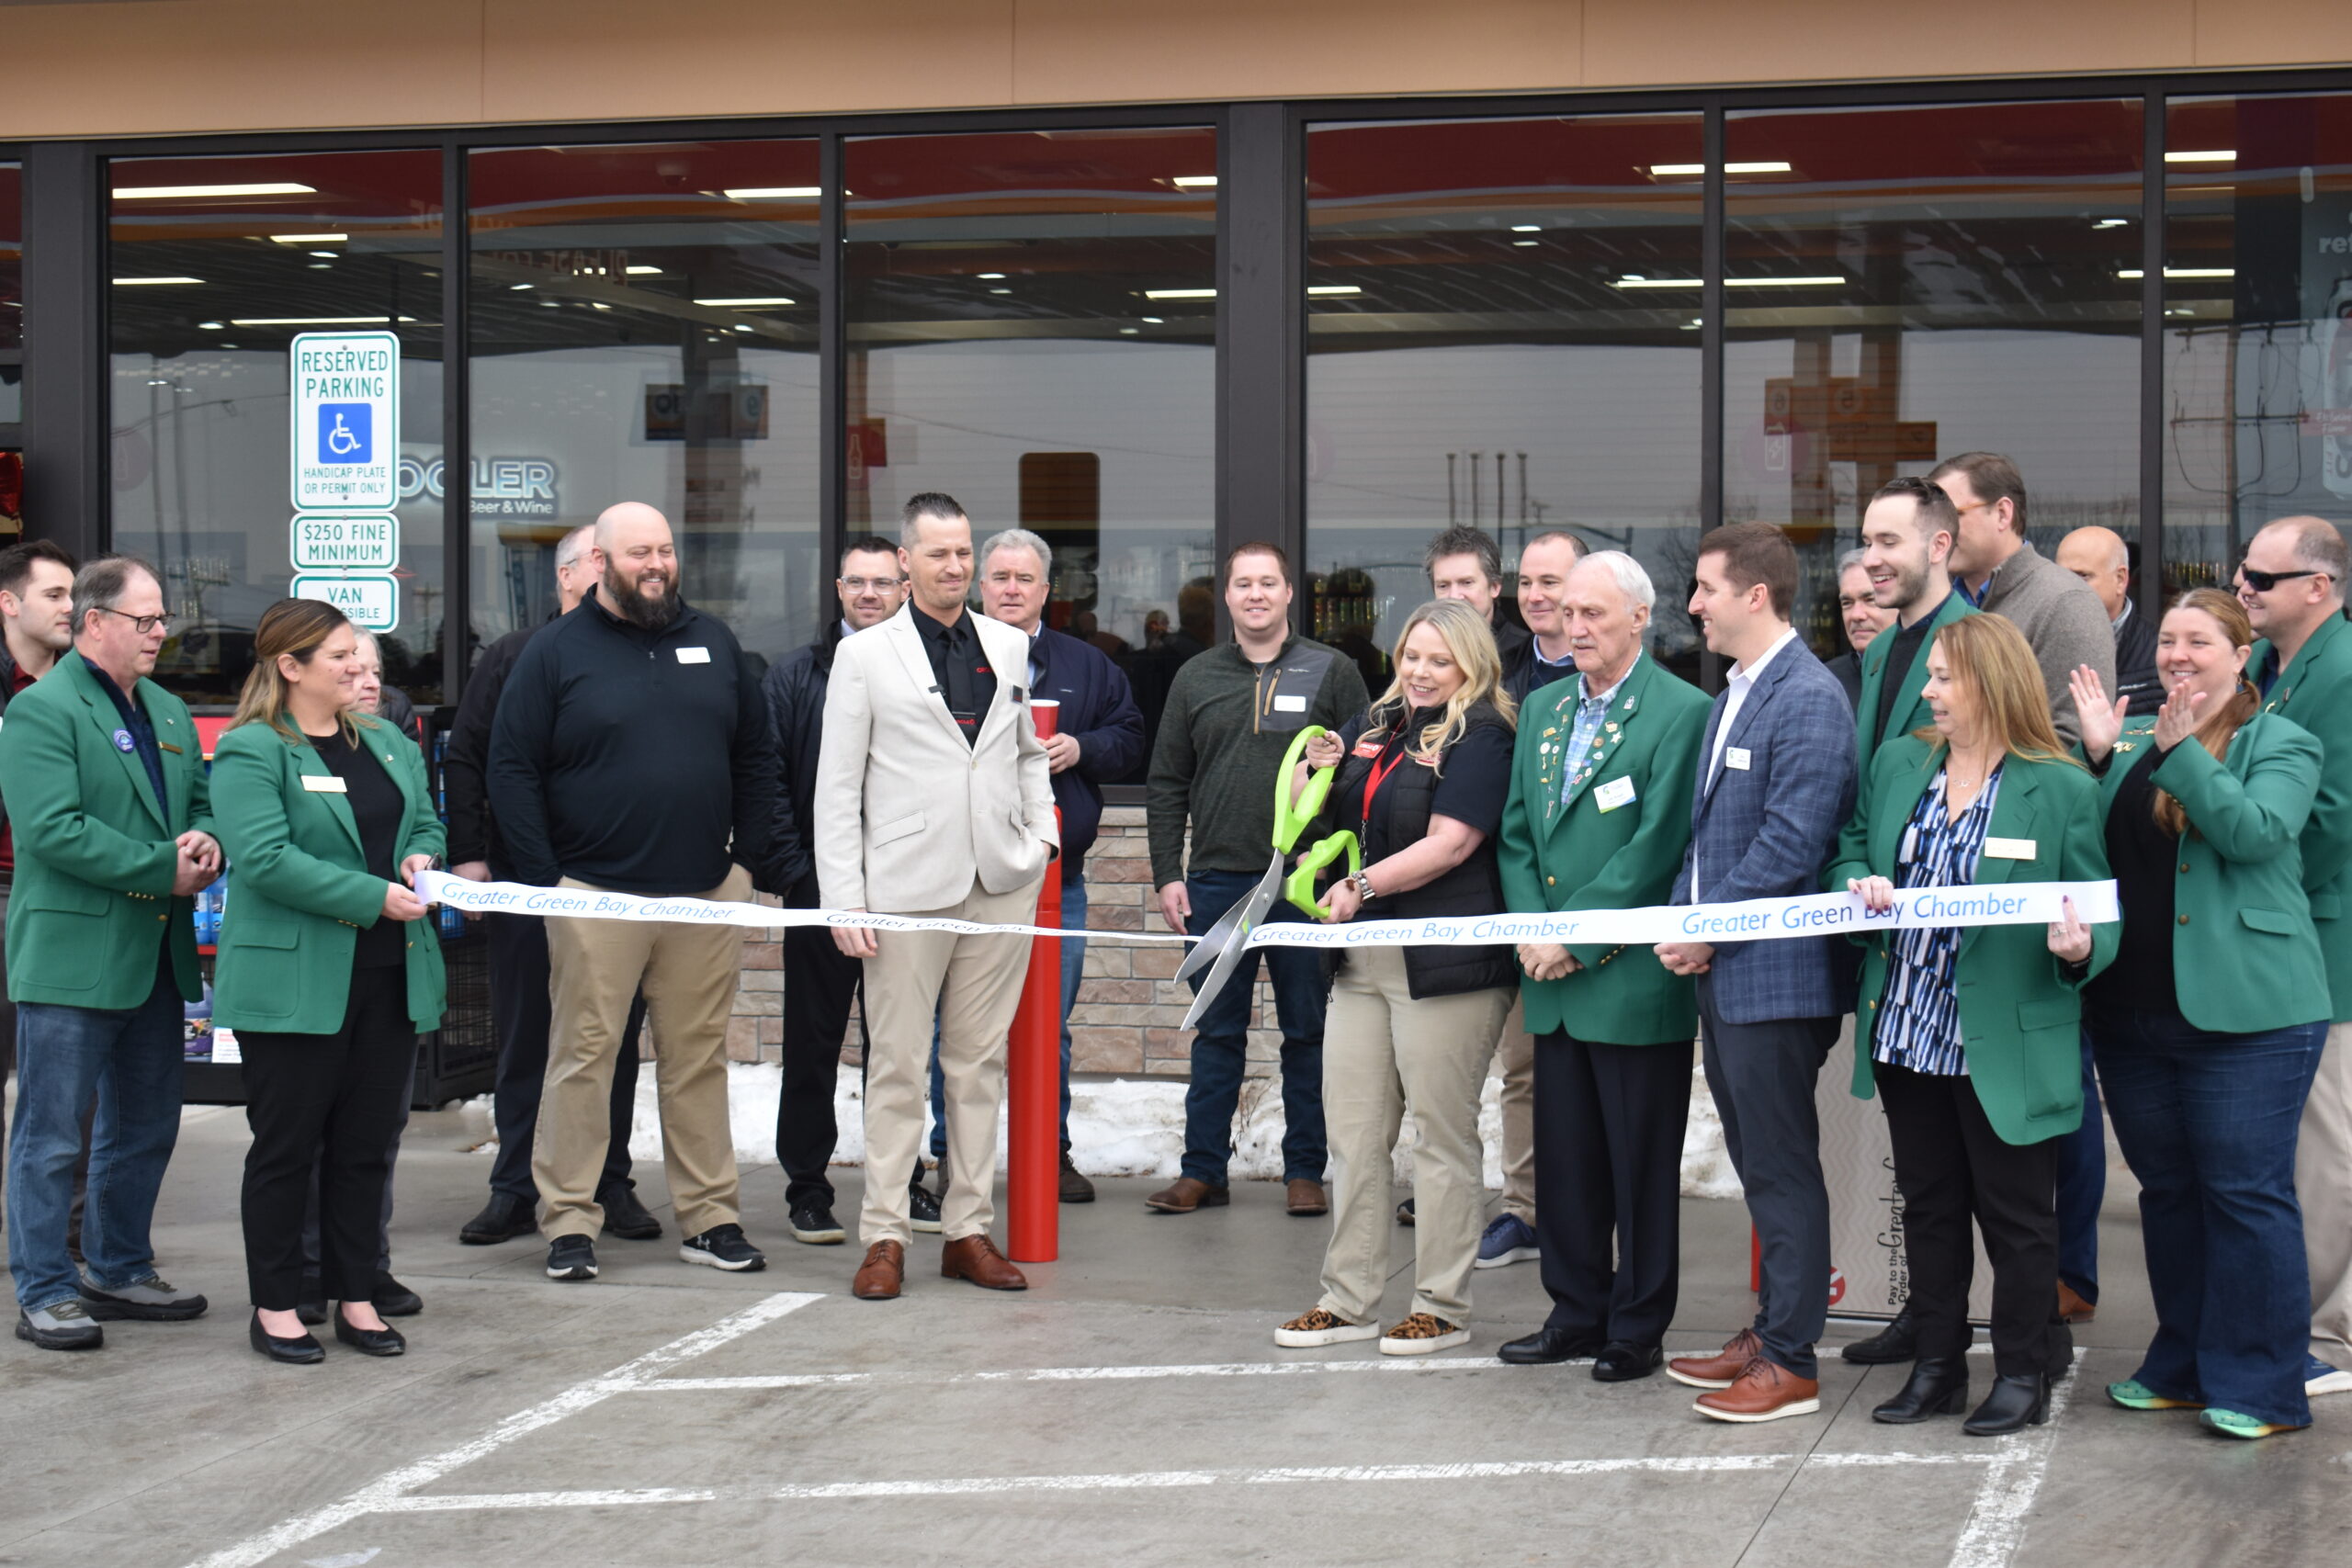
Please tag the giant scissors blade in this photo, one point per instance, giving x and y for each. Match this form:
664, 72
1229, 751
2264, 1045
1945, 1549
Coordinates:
1222, 944
1220, 936
1236, 923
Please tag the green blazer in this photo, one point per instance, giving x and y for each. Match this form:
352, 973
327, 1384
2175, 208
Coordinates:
2020, 1015
2246, 956
1588, 856
95, 854
2316, 691
1910, 710
300, 890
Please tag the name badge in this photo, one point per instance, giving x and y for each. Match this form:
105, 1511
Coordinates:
331, 785
694, 655
1290, 705
1367, 749
1736, 757
1614, 793
2011, 848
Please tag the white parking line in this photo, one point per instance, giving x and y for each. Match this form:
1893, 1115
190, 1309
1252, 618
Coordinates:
1996, 1522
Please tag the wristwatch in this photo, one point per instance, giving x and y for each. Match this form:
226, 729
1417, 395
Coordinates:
1362, 885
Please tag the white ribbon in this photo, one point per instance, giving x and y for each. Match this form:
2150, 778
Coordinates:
1755, 920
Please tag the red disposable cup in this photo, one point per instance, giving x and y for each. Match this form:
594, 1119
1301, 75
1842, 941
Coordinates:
1046, 713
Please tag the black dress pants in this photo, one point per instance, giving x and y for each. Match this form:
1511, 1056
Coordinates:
520, 1008
1951, 1165
1609, 1122
337, 1098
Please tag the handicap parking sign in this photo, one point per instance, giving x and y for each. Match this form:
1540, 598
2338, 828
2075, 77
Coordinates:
346, 433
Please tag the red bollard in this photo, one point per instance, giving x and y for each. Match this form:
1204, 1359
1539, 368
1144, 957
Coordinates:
1034, 1078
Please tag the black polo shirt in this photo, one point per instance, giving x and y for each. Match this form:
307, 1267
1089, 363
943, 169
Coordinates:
960, 666
1903, 652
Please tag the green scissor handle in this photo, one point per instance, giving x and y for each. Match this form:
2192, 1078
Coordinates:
1291, 820
1300, 887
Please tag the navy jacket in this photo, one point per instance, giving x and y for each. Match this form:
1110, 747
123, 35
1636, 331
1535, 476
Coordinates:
1097, 711
794, 691
1766, 830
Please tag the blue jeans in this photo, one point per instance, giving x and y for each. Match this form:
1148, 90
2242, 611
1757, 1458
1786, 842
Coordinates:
1220, 1050
2208, 1123
1073, 965
2082, 1189
131, 1059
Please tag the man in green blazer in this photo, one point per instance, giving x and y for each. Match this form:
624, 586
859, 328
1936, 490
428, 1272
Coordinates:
2292, 588
1598, 818
105, 790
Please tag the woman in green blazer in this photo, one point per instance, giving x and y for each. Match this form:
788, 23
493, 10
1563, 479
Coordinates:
327, 971
2210, 1026
1970, 1035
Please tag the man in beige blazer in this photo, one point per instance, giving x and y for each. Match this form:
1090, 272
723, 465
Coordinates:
933, 799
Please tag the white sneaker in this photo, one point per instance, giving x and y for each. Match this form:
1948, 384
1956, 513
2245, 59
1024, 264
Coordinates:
1312, 1330
1421, 1334
2319, 1378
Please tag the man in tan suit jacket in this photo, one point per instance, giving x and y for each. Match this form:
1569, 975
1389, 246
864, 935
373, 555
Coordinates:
933, 799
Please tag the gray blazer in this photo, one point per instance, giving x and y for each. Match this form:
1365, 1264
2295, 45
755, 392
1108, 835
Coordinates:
1766, 830
908, 816
2063, 620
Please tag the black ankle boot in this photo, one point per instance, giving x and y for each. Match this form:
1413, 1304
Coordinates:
1898, 1341
2014, 1402
1936, 1388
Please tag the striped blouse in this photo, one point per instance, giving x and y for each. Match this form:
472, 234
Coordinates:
1919, 1018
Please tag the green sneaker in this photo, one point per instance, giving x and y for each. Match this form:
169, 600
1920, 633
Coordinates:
2230, 1424
2140, 1396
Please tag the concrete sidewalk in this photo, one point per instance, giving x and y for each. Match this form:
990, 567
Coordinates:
1129, 1408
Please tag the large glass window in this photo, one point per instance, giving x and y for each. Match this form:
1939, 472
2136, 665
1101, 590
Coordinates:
12, 297
217, 265
1033, 328
1907, 284
2257, 414
1475, 355
643, 327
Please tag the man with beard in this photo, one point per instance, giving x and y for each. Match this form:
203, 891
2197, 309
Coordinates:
630, 753
1907, 536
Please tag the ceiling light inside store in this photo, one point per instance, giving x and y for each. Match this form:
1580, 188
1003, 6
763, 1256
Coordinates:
331, 255
1527, 228
1821, 282
644, 271
1129, 331
1699, 171
1000, 291
303, 238
773, 193
2134, 274
143, 282
1180, 293
1333, 291
315, 321
742, 329
1523, 242
1156, 320
1195, 182
2207, 156
210, 326
988, 276
520, 287
745, 302
174, 193
2110, 224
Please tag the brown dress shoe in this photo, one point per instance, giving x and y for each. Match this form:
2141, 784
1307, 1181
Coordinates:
975, 1258
1075, 1188
1186, 1195
1719, 1371
879, 1277
1764, 1391
2072, 1307
1306, 1198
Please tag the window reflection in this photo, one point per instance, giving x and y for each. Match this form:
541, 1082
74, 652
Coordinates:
2257, 323
1031, 322
643, 327
1907, 284
217, 265
1473, 357
12, 307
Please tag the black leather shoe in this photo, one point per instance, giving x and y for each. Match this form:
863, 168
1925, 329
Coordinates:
299, 1352
1548, 1345
1938, 1387
1898, 1341
392, 1299
2015, 1403
1621, 1360
504, 1218
311, 1305
625, 1217
368, 1341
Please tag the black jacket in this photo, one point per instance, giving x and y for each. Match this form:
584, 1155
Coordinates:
794, 694
1848, 668
637, 761
465, 763
2135, 663
1524, 672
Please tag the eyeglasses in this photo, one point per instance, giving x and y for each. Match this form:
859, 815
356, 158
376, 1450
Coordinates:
2264, 582
862, 584
141, 623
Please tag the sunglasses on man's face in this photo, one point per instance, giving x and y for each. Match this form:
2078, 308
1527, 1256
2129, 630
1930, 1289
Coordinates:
2264, 582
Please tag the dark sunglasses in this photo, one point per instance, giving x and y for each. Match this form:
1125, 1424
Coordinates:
2264, 582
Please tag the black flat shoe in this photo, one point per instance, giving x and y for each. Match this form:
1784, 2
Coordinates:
1936, 1388
1549, 1346
2016, 1403
392, 1299
625, 1217
368, 1341
299, 1351
1622, 1360
1898, 1341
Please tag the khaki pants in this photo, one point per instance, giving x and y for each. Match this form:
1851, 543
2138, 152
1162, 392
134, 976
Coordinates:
1515, 1062
689, 974
972, 985
2323, 1187
1382, 1052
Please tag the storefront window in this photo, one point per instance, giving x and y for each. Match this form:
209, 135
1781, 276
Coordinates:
218, 263
1032, 330
1907, 284
2257, 411
12, 298
643, 327
1474, 355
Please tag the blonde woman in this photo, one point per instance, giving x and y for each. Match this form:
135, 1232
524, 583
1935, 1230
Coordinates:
1422, 778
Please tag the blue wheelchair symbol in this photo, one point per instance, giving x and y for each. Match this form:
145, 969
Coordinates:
346, 433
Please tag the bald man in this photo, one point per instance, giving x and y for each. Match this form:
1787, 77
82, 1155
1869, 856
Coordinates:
2099, 557
631, 754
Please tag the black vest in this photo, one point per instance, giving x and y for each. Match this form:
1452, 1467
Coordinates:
1400, 817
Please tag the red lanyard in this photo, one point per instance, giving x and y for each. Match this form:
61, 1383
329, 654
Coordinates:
1381, 768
